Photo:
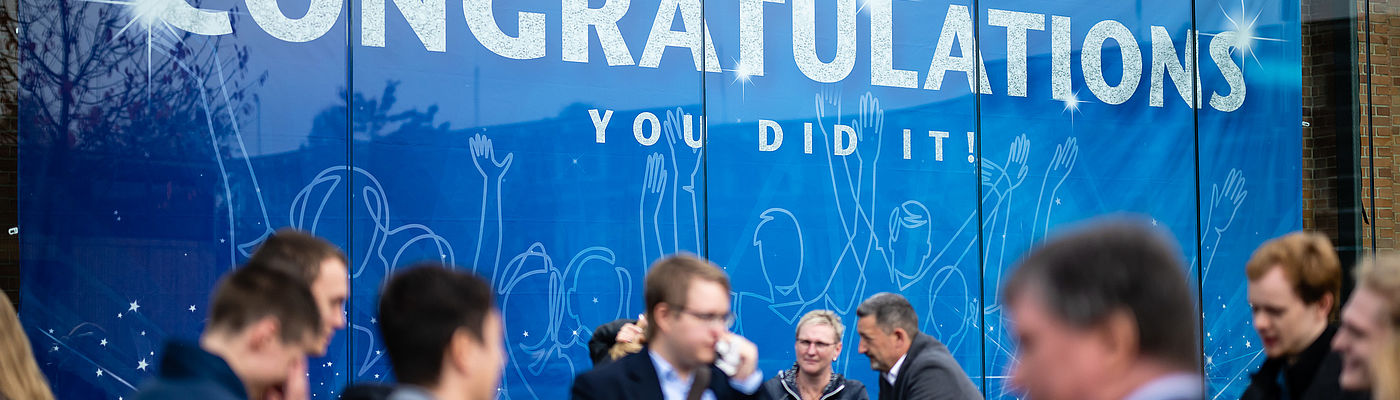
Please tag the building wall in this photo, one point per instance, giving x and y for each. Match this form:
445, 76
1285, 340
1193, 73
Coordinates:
1378, 144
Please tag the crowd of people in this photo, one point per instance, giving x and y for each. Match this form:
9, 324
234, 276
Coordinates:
1102, 312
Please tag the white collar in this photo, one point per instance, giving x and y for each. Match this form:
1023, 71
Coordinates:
894, 370
1173, 386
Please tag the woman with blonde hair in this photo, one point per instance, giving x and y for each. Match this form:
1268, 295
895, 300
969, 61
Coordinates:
19, 374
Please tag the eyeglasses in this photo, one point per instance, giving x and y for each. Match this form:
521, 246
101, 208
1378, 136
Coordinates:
722, 320
804, 343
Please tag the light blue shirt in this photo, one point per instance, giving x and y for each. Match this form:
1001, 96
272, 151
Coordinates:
675, 387
1174, 386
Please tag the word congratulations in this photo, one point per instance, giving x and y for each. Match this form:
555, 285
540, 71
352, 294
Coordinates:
428, 21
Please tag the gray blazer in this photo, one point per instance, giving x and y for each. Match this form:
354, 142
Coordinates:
929, 373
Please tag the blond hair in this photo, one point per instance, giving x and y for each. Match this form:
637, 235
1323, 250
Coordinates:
1307, 260
19, 374
1381, 275
822, 317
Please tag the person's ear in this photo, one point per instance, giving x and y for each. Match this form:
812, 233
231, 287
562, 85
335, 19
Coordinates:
462, 350
1119, 335
263, 333
664, 315
901, 336
1325, 305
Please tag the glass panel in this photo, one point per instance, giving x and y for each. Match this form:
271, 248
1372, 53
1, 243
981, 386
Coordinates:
1249, 167
156, 160
484, 154
883, 199
1079, 130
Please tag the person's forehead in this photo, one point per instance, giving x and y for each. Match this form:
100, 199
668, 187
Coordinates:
334, 274
867, 326
815, 330
1364, 309
705, 295
1025, 313
1274, 283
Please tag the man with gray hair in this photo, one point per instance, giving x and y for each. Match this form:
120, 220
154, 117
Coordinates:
912, 365
818, 344
1104, 313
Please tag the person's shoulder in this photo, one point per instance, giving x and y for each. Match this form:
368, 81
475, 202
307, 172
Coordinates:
616, 370
163, 389
932, 353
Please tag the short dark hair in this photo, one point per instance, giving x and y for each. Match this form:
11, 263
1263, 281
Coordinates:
256, 291
668, 281
300, 253
420, 309
890, 311
1085, 276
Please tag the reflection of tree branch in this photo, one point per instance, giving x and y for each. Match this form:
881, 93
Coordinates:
88, 86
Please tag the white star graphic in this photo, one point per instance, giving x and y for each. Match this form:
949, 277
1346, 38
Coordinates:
55, 348
595, 299
103, 342
527, 333
143, 333
192, 307
141, 365
134, 306
1057, 201
119, 315
99, 373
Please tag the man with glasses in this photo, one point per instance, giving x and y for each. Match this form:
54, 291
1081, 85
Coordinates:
687, 310
810, 378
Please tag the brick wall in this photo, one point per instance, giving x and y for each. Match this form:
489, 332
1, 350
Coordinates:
1320, 184
1378, 141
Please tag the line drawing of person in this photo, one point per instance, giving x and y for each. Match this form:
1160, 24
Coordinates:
777, 234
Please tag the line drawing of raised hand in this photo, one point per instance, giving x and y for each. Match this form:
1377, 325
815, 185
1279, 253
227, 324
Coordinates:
678, 128
1066, 155
492, 172
1225, 202
870, 126
1234, 193
652, 197
1005, 185
484, 157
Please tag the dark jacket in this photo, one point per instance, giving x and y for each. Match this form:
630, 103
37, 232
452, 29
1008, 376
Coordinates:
784, 387
929, 373
1314, 374
634, 378
189, 372
603, 340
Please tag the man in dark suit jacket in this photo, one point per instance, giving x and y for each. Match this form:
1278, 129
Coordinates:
687, 312
912, 365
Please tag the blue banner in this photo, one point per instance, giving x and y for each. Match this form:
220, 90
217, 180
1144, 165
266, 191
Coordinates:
819, 151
